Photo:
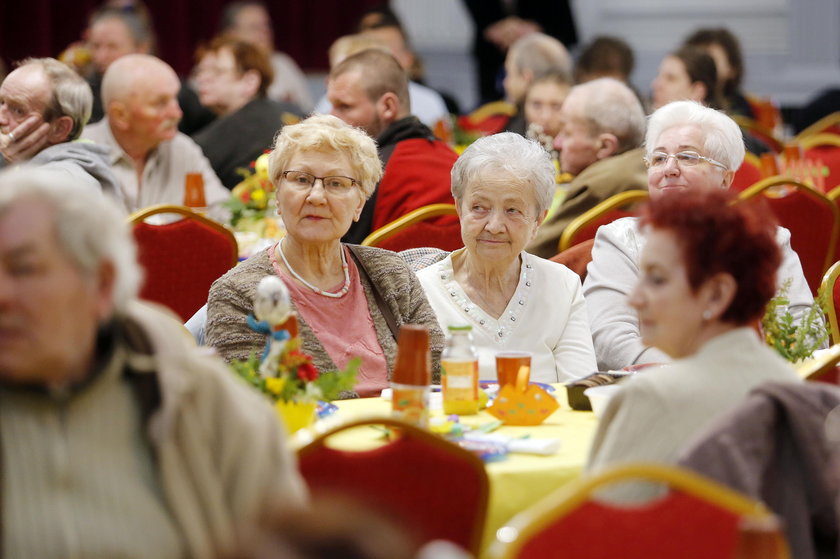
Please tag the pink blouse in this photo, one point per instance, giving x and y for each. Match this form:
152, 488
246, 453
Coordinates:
343, 325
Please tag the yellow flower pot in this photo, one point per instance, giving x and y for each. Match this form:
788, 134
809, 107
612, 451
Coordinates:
296, 415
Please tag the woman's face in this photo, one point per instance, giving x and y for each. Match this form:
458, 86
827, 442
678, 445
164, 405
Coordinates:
672, 83
543, 105
498, 216
315, 215
670, 313
676, 177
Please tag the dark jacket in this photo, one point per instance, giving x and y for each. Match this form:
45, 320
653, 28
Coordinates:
417, 167
233, 141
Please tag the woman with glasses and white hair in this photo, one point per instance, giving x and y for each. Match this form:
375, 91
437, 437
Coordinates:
503, 185
350, 302
688, 146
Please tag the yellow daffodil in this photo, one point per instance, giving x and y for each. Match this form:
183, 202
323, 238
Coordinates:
275, 385
261, 166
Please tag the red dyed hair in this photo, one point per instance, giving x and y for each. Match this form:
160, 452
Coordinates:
717, 235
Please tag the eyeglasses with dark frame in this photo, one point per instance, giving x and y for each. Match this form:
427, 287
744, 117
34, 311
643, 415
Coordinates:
659, 159
334, 184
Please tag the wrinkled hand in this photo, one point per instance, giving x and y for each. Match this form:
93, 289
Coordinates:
27, 139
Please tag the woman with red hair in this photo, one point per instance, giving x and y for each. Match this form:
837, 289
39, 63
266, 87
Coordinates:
707, 270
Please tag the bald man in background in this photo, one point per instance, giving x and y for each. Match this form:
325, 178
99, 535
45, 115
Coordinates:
148, 154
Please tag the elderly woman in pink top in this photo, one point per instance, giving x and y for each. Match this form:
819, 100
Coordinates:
350, 300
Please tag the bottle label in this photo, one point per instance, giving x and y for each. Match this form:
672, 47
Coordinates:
460, 386
411, 403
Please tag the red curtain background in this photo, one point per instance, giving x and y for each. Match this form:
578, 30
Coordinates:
302, 28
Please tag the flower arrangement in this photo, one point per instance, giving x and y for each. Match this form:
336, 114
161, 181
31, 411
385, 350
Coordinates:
284, 373
251, 200
297, 379
792, 340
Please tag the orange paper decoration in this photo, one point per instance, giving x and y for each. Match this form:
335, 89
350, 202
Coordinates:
517, 407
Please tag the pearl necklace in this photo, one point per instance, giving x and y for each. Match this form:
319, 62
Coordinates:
340, 293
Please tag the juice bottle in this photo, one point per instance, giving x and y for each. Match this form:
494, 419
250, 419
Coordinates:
459, 372
412, 376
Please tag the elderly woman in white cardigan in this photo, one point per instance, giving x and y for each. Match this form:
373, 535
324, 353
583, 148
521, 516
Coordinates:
503, 185
688, 146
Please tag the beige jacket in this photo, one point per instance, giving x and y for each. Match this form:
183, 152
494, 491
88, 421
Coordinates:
220, 449
592, 186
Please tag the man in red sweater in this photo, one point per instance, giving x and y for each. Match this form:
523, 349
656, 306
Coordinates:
370, 90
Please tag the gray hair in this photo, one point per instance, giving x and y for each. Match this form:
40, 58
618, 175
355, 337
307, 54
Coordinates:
328, 133
89, 227
510, 153
609, 106
722, 138
71, 95
541, 54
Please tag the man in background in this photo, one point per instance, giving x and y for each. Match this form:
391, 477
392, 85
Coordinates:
116, 32
370, 90
44, 106
112, 441
532, 57
604, 125
147, 153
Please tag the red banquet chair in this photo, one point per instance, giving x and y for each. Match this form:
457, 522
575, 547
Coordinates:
585, 226
747, 174
414, 231
829, 124
826, 149
696, 519
831, 286
432, 488
181, 258
812, 218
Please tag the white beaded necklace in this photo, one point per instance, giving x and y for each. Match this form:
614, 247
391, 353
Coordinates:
340, 293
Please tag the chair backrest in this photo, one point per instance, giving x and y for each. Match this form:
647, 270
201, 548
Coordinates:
181, 258
813, 221
431, 487
584, 226
576, 258
759, 131
696, 518
831, 286
824, 148
489, 118
829, 124
413, 231
766, 112
747, 174
822, 368
776, 446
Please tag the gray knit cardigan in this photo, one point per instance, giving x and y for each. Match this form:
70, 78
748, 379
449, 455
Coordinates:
231, 300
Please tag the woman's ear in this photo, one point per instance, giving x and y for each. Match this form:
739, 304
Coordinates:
358, 213
699, 91
718, 292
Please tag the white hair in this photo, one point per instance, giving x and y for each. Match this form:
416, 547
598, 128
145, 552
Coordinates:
511, 153
722, 138
89, 227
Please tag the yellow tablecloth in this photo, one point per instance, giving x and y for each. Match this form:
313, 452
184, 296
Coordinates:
520, 480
